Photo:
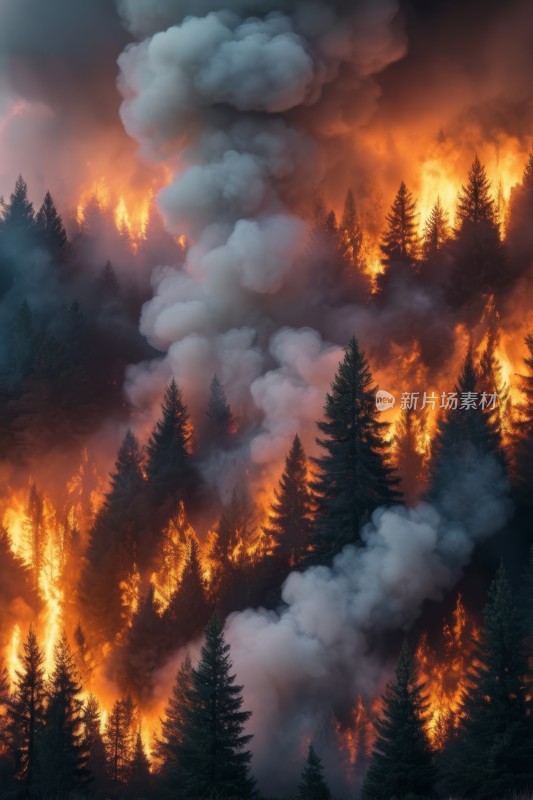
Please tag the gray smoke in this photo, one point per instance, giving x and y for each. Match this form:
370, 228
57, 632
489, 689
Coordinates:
317, 652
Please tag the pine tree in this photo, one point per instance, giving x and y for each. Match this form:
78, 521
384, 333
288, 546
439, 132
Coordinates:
493, 756
312, 783
168, 749
119, 740
221, 422
140, 779
400, 242
351, 233
436, 232
354, 477
115, 543
479, 256
63, 752
402, 761
213, 753
523, 434
519, 228
290, 518
464, 435
50, 228
18, 214
168, 467
475, 203
142, 650
26, 713
94, 742
188, 610
107, 284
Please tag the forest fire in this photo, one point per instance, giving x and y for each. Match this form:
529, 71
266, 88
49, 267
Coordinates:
222, 561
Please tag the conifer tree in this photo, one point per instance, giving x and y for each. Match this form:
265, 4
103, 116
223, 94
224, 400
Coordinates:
63, 752
523, 434
479, 256
140, 779
108, 285
351, 233
290, 518
18, 214
519, 228
221, 422
141, 653
312, 783
475, 203
464, 435
400, 242
436, 232
115, 542
168, 466
213, 753
119, 740
354, 476
493, 755
402, 762
94, 742
5, 754
50, 228
188, 610
26, 713
168, 749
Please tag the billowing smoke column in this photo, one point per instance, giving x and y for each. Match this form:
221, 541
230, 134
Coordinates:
298, 664
224, 95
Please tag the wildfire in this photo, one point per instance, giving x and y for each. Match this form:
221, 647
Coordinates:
444, 678
130, 211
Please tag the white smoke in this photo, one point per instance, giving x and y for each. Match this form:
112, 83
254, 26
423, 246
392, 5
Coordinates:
318, 650
216, 90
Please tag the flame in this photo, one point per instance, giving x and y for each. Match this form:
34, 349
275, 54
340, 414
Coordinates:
445, 679
130, 211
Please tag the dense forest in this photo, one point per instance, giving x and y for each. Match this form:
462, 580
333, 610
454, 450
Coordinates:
120, 579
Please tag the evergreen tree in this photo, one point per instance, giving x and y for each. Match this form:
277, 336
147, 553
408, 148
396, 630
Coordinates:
115, 543
168, 468
354, 477
519, 227
140, 779
402, 761
436, 232
464, 435
214, 755
168, 749
107, 284
141, 652
523, 434
290, 518
63, 752
351, 233
119, 740
479, 256
5, 754
221, 422
188, 610
493, 755
400, 243
312, 784
475, 203
18, 214
94, 742
26, 713
50, 228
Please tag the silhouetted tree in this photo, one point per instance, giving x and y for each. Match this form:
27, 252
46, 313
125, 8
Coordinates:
94, 742
354, 476
400, 243
291, 515
493, 754
402, 761
50, 228
213, 752
18, 214
221, 422
436, 232
63, 751
140, 779
168, 749
188, 610
409, 458
523, 435
351, 234
312, 783
119, 740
